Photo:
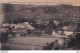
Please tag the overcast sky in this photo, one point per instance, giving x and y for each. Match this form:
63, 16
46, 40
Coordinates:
52, 2
1, 15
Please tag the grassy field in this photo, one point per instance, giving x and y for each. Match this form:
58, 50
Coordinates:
29, 43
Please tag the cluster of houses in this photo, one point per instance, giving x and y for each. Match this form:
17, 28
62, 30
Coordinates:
65, 30
19, 25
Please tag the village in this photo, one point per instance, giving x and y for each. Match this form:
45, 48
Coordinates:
52, 29
37, 27
41, 27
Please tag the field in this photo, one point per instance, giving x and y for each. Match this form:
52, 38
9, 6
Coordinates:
29, 43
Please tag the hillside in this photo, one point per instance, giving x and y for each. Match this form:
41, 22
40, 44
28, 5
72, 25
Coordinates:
41, 12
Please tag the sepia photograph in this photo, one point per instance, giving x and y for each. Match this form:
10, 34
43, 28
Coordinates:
39, 27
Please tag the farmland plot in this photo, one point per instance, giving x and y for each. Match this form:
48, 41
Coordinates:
29, 43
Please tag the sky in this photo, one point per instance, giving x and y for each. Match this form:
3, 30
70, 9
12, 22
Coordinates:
1, 15
44, 2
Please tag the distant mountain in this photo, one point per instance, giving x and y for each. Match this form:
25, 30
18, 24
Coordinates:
41, 12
